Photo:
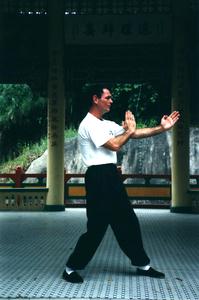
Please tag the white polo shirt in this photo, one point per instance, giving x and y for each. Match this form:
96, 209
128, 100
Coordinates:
93, 133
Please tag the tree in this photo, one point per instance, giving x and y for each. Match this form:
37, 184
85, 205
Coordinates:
140, 98
22, 117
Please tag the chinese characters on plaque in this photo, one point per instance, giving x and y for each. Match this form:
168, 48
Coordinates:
115, 29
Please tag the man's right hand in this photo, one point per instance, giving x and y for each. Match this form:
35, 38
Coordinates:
129, 124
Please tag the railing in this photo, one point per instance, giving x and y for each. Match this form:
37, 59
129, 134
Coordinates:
15, 194
18, 193
19, 177
143, 193
147, 192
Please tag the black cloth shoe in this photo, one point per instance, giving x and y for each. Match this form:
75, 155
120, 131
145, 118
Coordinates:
73, 277
151, 273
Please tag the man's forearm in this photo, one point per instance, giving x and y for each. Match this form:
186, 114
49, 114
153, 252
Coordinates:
147, 132
117, 142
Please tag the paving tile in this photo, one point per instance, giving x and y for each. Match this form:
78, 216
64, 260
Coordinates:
34, 247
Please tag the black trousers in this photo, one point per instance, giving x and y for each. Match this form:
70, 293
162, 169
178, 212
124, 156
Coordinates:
108, 204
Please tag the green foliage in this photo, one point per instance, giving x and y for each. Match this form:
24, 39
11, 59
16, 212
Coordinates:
22, 118
70, 132
146, 123
30, 152
140, 98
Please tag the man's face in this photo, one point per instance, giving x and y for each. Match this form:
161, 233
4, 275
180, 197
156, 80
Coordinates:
104, 103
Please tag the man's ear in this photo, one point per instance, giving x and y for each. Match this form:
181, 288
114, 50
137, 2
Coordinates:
95, 99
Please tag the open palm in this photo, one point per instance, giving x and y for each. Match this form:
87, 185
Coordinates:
168, 121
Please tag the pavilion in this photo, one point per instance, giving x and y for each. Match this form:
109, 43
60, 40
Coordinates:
54, 46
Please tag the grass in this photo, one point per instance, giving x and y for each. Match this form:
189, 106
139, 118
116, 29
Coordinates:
30, 153
70, 133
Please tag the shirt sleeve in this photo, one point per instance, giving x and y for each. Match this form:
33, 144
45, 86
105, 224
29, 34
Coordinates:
118, 129
102, 132
99, 135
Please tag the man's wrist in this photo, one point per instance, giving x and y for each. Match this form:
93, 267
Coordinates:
160, 128
129, 132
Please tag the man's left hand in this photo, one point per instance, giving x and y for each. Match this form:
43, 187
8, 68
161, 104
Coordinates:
168, 121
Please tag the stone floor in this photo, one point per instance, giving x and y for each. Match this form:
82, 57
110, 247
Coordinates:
35, 245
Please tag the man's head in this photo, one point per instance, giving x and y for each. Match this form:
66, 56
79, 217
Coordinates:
101, 98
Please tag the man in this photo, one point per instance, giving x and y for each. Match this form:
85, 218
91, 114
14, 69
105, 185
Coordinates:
107, 201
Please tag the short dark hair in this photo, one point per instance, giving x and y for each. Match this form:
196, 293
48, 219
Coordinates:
94, 89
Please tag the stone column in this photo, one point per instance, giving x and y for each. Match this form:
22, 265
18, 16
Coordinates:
56, 107
181, 102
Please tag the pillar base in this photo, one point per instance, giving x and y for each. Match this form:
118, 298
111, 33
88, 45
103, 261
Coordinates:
54, 208
181, 209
